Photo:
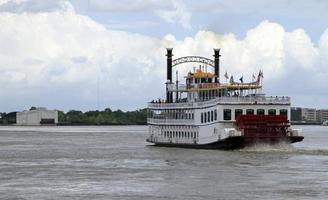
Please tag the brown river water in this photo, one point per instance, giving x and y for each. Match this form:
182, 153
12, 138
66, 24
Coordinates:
115, 162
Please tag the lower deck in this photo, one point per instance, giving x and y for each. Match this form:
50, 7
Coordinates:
251, 128
237, 142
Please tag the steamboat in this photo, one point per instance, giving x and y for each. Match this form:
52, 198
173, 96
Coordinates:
206, 113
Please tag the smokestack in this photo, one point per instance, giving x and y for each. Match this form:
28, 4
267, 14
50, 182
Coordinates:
169, 64
217, 64
169, 55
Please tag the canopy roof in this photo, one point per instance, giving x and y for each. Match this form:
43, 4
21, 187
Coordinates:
200, 74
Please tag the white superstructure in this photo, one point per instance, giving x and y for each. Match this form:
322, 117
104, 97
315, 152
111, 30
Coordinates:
204, 111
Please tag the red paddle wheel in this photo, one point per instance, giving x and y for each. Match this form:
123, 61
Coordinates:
264, 129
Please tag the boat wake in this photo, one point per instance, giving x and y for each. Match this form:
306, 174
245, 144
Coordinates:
279, 147
284, 148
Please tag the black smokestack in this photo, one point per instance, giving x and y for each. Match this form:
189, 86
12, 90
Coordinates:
217, 63
169, 55
169, 64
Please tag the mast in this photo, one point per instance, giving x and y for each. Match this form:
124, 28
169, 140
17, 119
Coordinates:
177, 87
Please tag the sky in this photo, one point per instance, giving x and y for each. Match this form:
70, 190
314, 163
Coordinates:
94, 54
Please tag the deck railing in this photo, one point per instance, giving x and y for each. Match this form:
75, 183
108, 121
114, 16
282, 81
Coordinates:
223, 100
170, 121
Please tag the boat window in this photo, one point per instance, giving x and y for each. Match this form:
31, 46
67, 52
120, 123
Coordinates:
205, 117
238, 112
284, 112
260, 111
272, 112
208, 116
227, 114
202, 118
249, 112
192, 115
215, 115
212, 116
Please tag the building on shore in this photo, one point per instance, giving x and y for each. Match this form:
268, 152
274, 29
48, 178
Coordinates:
309, 115
37, 116
322, 115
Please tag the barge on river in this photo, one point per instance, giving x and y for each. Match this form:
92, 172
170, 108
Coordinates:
206, 113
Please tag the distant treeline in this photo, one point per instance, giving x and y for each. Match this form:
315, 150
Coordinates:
8, 118
105, 117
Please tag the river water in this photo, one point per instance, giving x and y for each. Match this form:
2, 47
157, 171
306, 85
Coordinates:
115, 162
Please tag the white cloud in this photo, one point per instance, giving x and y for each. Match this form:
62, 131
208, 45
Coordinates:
179, 14
61, 59
19, 6
171, 11
128, 5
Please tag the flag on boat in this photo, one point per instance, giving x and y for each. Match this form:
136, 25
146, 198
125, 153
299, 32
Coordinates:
226, 75
261, 74
253, 77
259, 77
231, 79
241, 79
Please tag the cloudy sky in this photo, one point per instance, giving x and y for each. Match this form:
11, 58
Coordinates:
93, 54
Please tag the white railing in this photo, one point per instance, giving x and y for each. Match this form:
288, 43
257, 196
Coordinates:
224, 100
170, 121
158, 138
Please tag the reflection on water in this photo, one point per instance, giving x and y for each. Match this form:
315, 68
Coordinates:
102, 162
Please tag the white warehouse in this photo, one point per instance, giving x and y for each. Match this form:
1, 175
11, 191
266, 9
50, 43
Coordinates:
38, 116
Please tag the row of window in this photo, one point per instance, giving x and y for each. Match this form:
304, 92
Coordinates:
227, 112
209, 116
180, 134
171, 114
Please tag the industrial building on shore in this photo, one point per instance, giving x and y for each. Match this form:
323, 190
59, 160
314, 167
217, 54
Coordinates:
310, 115
37, 116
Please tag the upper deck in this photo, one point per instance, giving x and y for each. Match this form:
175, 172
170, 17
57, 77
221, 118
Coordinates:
204, 88
239, 100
